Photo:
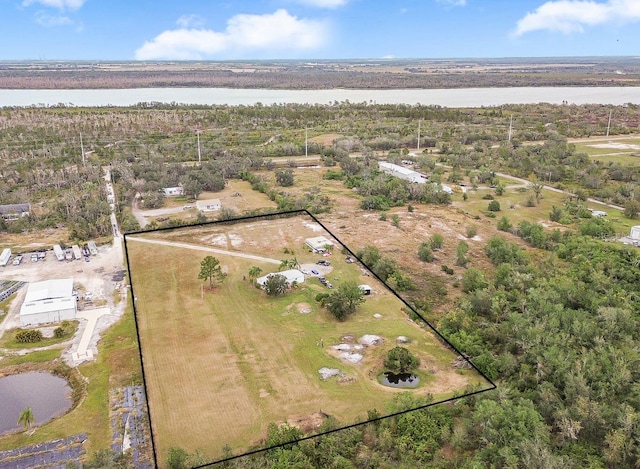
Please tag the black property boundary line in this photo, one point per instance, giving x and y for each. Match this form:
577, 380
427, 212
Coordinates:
274, 216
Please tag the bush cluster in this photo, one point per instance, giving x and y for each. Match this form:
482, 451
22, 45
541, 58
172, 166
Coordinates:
28, 336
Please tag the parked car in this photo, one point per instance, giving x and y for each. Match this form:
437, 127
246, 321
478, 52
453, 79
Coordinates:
315, 272
323, 262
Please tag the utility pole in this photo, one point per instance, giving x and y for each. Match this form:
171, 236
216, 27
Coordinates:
306, 142
510, 126
419, 135
81, 148
609, 123
199, 155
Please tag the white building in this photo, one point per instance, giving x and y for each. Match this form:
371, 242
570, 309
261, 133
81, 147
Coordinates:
292, 275
172, 191
635, 232
210, 205
318, 244
402, 172
48, 301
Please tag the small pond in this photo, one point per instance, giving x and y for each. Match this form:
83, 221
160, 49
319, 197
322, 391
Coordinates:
401, 380
47, 395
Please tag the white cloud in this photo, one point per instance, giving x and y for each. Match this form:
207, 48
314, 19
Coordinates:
568, 16
190, 21
59, 4
324, 3
50, 21
244, 33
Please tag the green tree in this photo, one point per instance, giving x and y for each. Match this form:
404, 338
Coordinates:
26, 418
178, 458
275, 285
254, 273
395, 220
473, 279
284, 177
536, 188
400, 360
344, 300
211, 269
631, 208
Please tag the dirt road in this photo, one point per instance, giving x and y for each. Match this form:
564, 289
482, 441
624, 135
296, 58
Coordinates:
205, 249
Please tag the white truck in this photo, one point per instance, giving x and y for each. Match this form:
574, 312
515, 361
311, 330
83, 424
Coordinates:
57, 250
93, 249
5, 256
77, 252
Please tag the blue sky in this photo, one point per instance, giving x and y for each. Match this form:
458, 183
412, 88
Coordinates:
315, 29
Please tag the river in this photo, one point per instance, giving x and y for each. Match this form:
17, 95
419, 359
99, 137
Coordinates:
465, 97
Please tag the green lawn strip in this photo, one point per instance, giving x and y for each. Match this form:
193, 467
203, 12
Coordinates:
8, 340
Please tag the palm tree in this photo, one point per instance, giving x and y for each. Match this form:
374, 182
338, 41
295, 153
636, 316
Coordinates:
284, 264
26, 418
293, 263
254, 273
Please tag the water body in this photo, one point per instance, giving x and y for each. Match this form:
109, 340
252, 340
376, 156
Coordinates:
467, 97
401, 380
47, 395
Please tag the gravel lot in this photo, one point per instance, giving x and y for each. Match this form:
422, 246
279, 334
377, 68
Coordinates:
96, 276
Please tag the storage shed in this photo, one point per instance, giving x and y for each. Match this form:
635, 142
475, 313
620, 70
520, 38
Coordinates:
48, 301
635, 232
318, 244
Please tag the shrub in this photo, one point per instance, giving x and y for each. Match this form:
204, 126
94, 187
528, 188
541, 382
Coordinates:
425, 253
504, 224
446, 269
436, 241
487, 197
472, 230
494, 206
28, 336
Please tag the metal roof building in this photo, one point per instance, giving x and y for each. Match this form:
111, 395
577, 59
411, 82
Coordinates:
292, 275
48, 301
402, 172
318, 243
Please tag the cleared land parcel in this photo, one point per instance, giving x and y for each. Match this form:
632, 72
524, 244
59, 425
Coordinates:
221, 364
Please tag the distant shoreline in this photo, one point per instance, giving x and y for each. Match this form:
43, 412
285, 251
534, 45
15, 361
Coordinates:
380, 74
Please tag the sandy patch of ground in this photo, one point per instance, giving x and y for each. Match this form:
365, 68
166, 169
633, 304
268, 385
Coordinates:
616, 146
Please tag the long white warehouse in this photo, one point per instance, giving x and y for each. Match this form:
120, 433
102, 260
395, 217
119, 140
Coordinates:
402, 172
48, 301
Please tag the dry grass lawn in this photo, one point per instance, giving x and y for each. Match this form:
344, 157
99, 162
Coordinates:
221, 364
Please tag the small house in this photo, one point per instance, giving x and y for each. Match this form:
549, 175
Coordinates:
173, 191
14, 211
292, 276
210, 205
366, 289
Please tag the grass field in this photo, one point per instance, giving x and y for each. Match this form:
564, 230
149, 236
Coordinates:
221, 364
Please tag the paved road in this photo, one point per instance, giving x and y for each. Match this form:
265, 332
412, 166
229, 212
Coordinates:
205, 249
